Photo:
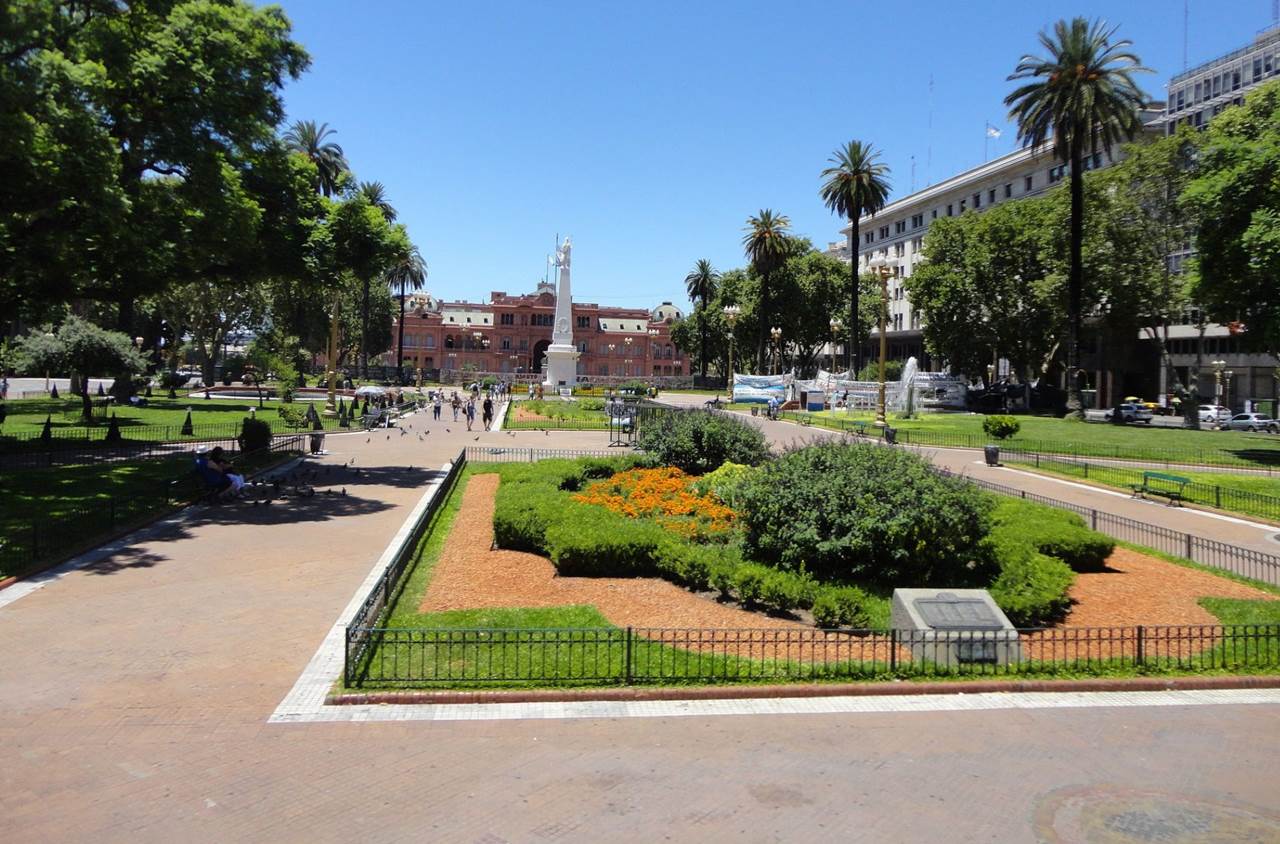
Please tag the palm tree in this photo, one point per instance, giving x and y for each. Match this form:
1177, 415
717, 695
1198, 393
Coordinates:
1083, 95
855, 186
375, 193
307, 138
767, 243
702, 284
408, 271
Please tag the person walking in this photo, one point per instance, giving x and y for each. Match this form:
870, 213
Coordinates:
456, 404
488, 412
436, 404
470, 413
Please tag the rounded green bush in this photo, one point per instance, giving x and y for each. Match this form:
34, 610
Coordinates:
865, 513
840, 606
255, 434
699, 441
724, 483
1032, 587
1001, 427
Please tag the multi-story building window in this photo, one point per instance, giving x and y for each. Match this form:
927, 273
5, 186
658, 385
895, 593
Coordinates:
1008, 190
991, 196
962, 205
506, 343
1056, 174
431, 341
977, 200
869, 237
917, 220
949, 210
1027, 182
507, 319
899, 249
884, 232
584, 322
935, 213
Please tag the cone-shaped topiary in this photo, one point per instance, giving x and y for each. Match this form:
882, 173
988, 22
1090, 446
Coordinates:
186, 426
46, 433
101, 391
344, 421
53, 394
113, 432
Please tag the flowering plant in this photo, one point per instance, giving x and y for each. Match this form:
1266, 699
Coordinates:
665, 495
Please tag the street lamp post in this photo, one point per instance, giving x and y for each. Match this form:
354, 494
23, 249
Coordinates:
731, 314
331, 399
626, 356
653, 349
1226, 388
1218, 367
776, 334
835, 325
883, 268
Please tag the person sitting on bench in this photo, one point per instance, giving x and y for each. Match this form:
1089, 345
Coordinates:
215, 471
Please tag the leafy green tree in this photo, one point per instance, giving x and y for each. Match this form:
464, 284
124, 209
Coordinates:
408, 272
767, 244
1236, 195
809, 286
365, 245
1148, 186
701, 284
1083, 96
856, 185
83, 348
309, 140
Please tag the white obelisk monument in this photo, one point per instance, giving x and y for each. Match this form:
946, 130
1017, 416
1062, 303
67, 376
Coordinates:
562, 357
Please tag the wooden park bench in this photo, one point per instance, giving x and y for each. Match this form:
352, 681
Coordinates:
1171, 487
376, 419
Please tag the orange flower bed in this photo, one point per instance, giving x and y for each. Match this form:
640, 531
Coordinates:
664, 495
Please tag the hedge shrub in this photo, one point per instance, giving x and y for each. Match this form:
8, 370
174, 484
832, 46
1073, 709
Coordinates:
840, 606
1049, 530
1001, 427
255, 434
700, 441
865, 513
724, 483
1031, 587
584, 541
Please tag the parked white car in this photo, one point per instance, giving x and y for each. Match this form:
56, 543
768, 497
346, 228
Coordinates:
1253, 422
1129, 413
1214, 414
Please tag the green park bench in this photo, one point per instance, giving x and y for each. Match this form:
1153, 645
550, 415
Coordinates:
1168, 486
859, 427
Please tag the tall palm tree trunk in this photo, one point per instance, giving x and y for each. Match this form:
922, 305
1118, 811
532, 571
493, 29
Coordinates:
852, 352
364, 332
763, 330
400, 338
1075, 284
703, 350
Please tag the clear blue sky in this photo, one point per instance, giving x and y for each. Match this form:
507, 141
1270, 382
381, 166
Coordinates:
651, 131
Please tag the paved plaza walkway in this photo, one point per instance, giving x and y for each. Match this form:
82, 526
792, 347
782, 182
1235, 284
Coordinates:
136, 694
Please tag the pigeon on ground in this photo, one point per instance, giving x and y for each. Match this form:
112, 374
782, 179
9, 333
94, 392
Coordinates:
477, 439
366, 439
447, 431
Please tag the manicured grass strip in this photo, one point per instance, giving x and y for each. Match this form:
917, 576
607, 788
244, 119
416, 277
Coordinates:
1049, 435
1251, 496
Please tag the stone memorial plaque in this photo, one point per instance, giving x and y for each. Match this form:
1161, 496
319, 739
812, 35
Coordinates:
946, 611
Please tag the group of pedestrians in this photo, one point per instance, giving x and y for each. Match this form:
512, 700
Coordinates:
466, 407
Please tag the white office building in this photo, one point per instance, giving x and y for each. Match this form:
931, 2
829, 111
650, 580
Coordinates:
897, 233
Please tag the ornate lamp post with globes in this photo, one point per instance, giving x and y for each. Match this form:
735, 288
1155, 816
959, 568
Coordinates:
731, 314
883, 267
835, 326
776, 334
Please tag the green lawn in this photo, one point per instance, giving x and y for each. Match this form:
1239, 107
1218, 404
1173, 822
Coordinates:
1250, 495
48, 510
581, 414
159, 421
1050, 435
576, 646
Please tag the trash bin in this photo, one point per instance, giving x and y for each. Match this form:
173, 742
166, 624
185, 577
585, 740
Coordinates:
891, 436
317, 443
992, 453
755, 411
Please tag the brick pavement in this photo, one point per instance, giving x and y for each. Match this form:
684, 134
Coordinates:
136, 694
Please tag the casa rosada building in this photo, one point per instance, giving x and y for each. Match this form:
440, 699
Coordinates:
510, 335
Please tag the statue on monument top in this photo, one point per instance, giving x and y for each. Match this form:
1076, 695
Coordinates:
562, 254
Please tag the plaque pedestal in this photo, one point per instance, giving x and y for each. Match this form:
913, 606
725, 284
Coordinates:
562, 366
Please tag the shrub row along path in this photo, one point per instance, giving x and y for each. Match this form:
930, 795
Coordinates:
137, 693
1242, 531
1133, 589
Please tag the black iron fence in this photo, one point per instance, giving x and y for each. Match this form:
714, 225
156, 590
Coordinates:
387, 658
1245, 562
1124, 477
498, 454
362, 632
26, 543
1257, 451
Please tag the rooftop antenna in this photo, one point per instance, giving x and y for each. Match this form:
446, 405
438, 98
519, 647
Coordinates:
928, 160
913, 174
